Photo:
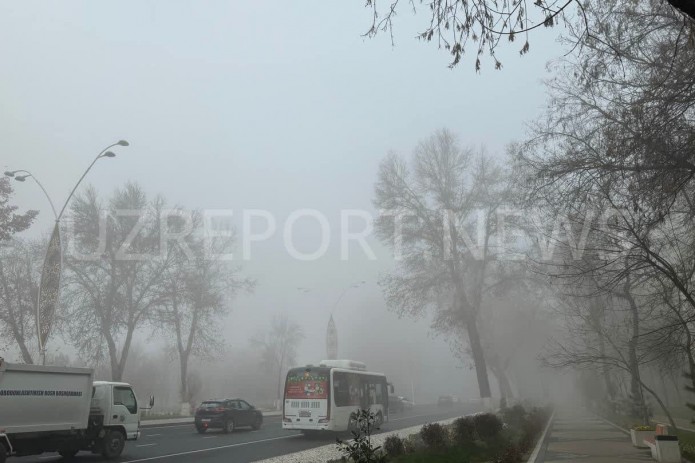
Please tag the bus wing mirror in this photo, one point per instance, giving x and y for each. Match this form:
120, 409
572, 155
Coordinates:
391, 390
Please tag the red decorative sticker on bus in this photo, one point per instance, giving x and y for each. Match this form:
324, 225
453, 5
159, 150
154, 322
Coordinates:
307, 385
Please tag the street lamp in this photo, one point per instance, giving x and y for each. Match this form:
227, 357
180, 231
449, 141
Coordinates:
49, 285
22, 178
331, 330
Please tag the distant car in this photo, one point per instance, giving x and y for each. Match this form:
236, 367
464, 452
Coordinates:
407, 403
396, 405
445, 401
227, 414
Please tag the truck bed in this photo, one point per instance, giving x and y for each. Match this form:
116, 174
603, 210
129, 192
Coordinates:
37, 398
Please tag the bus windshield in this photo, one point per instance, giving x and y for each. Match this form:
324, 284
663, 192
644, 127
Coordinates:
307, 384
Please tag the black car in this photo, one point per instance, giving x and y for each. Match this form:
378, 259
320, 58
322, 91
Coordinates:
227, 414
396, 404
445, 401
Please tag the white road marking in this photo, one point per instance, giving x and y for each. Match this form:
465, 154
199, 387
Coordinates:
192, 452
409, 417
209, 437
146, 445
152, 435
189, 425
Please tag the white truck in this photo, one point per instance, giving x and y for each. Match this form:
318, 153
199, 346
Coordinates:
60, 409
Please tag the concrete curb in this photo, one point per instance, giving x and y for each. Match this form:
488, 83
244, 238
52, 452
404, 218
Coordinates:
619, 428
188, 420
538, 454
329, 452
685, 460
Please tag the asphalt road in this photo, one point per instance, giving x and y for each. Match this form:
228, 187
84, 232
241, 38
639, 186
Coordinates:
180, 443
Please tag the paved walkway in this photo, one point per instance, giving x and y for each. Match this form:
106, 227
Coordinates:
582, 437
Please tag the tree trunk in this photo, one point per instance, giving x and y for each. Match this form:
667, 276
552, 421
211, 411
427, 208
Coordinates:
113, 356
183, 386
502, 382
279, 395
661, 404
26, 355
635, 381
605, 370
478, 359
664, 387
124, 353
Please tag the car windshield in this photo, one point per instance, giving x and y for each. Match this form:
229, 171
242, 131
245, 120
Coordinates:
211, 404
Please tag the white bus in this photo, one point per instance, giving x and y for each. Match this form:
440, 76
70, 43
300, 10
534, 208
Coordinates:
323, 398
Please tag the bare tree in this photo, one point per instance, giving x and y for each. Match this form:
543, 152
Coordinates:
195, 296
430, 214
112, 292
278, 347
456, 25
18, 292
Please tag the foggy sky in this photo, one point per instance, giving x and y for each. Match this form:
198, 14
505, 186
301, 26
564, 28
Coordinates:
229, 105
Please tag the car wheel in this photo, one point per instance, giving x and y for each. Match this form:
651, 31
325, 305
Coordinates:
228, 427
201, 429
113, 444
257, 424
68, 454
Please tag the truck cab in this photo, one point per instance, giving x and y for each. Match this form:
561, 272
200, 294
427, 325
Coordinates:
116, 406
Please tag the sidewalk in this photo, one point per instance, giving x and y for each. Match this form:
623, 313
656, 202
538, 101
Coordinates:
579, 436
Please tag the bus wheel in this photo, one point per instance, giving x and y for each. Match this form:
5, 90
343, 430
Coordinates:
352, 425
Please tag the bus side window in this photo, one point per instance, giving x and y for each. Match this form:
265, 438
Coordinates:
379, 394
341, 392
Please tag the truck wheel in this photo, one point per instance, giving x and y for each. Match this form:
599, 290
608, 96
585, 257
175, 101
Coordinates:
228, 427
3, 453
113, 444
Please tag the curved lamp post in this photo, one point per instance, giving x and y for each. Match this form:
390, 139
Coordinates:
49, 285
331, 330
25, 174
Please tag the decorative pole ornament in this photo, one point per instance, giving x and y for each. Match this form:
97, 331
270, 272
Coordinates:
49, 290
331, 340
